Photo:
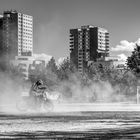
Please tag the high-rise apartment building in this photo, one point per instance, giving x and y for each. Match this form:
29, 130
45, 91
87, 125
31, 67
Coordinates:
1, 34
17, 34
88, 43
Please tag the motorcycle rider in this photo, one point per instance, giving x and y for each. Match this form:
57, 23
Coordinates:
38, 88
38, 97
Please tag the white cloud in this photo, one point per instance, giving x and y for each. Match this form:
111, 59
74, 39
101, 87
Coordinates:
125, 46
138, 42
42, 57
122, 57
61, 59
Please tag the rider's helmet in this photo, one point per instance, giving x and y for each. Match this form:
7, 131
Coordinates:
39, 82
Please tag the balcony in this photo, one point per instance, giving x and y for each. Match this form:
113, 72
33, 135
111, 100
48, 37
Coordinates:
71, 49
106, 39
80, 58
101, 50
107, 46
80, 62
71, 39
71, 42
106, 33
72, 46
71, 35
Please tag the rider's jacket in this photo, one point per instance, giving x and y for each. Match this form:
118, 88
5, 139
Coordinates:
37, 90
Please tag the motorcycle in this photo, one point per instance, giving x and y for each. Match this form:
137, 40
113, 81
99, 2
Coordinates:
35, 101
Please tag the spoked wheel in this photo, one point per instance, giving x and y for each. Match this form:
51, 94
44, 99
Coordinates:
48, 106
22, 105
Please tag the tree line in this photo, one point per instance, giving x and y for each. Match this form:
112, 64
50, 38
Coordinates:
65, 77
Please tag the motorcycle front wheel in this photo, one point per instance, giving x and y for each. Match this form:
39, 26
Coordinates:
48, 106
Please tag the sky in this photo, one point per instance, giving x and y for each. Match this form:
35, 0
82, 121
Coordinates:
54, 18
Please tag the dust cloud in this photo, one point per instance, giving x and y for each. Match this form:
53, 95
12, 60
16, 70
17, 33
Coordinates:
72, 94
10, 91
74, 91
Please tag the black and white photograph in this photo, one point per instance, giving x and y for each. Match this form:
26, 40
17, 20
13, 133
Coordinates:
70, 69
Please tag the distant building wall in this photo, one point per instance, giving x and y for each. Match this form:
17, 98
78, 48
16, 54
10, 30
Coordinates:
23, 63
88, 43
17, 34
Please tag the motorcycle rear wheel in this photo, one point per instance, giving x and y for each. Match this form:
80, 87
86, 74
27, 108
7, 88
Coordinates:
22, 105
